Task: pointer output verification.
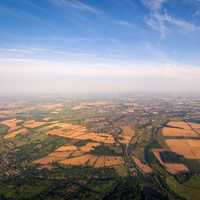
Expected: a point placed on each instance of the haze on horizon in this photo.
(93, 46)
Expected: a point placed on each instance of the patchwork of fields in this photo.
(173, 168)
(182, 139)
(127, 134)
(68, 154)
(91, 148)
(74, 155)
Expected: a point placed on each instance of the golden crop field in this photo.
(179, 124)
(187, 147)
(12, 124)
(34, 124)
(79, 160)
(173, 168)
(180, 129)
(79, 132)
(50, 106)
(176, 132)
(72, 155)
(127, 134)
(22, 131)
(144, 168)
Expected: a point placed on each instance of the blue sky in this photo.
(131, 42)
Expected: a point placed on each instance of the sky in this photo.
(99, 46)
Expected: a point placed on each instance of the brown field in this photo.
(194, 143)
(52, 157)
(144, 168)
(79, 160)
(51, 106)
(76, 153)
(176, 132)
(79, 132)
(184, 125)
(187, 147)
(195, 126)
(176, 168)
(127, 134)
(22, 131)
(179, 124)
(94, 161)
(65, 126)
(73, 155)
(180, 129)
(173, 168)
(89, 146)
(67, 148)
(104, 138)
(108, 161)
(12, 124)
(34, 124)
(100, 162)
(60, 153)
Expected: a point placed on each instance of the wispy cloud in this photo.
(76, 4)
(154, 5)
(180, 23)
(156, 22)
(160, 21)
(123, 23)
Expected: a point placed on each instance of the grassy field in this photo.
(188, 190)
(122, 171)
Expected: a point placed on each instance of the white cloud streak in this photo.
(180, 23)
(76, 4)
(161, 22)
(154, 5)
(123, 23)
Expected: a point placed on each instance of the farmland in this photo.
(98, 149)
(173, 168)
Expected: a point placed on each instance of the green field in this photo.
(188, 190)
